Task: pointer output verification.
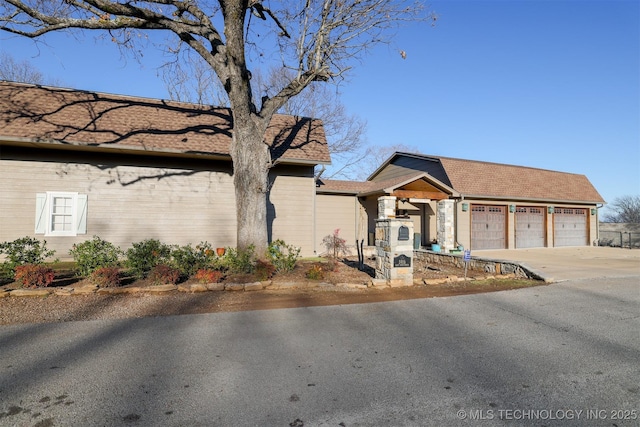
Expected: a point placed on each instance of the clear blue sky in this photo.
(548, 84)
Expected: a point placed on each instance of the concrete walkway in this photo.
(560, 264)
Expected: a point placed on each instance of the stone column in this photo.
(446, 224)
(394, 252)
(386, 207)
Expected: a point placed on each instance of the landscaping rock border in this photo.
(494, 269)
(231, 287)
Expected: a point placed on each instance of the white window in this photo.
(61, 213)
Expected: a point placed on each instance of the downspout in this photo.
(461, 199)
(598, 222)
(315, 217)
(356, 213)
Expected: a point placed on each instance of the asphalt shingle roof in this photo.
(473, 178)
(477, 178)
(364, 187)
(82, 118)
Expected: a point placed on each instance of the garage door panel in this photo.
(570, 227)
(488, 229)
(530, 227)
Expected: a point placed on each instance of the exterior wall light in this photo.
(550, 209)
(465, 207)
(512, 208)
(593, 211)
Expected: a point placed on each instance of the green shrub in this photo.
(93, 254)
(207, 275)
(240, 261)
(163, 274)
(105, 277)
(283, 256)
(26, 250)
(189, 260)
(145, 255)
(34, 276)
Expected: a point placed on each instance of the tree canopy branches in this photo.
(316, 40)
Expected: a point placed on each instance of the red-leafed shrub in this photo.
(105, 277)
(163, 274)
(205, 275)
(34, 276)
(335, 244)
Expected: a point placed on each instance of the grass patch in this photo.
(313, 259)
(62, 265)
(513, 283)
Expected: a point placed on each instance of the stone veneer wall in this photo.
(391, 251)
(386, 207)
(496, 267)
(446, 224)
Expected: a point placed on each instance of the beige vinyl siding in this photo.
(290, 211)
(126, 204)
(333, 212)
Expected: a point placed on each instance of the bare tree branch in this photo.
(318, 40)
(624, 209)
(21, 72)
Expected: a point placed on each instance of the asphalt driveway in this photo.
(560, 264)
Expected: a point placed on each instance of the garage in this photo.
(570, 227)
(530, 227)
(488, 227)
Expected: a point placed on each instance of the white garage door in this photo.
(530, 230)
(488, 229)
(570, 227)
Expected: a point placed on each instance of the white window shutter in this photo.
(81, 205)
(41, 213)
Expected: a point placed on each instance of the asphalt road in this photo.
(562, 354)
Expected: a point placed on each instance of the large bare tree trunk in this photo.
(251, 163)
(251, 157)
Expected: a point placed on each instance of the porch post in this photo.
(445, 224)
(386, 207)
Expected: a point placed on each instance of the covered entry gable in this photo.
(414, 185)
(417, 194)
